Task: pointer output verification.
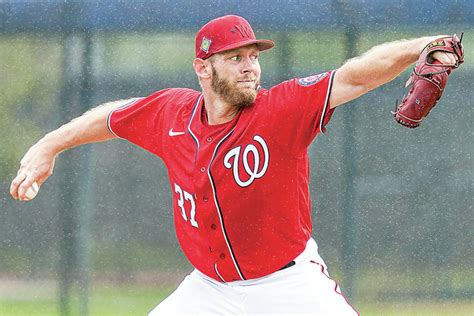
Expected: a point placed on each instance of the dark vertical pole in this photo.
(349, 171)
(284, 56)
(444, 231)
(76, 196)
(66, 215)
(85, 201)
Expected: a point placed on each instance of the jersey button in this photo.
(209, 139)
(213, 226)
(222, 256)
(205, 199)
(203, 169)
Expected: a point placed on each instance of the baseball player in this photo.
(238, 168)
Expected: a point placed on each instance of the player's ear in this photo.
(202, 68)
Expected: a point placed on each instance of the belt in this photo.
(290, 264)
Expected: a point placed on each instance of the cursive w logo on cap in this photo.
(244, 31)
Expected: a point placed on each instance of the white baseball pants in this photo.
(304, 288)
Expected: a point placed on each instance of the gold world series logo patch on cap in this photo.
(205, 44)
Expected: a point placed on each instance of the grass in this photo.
(139, 300)
(104, 301)
(433, 308)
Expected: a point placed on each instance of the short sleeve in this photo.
(301, 109)
(141, 121)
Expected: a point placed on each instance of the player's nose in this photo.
(248, 65)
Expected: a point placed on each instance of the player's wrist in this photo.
(53, 143)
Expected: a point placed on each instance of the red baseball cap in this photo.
(226, 33)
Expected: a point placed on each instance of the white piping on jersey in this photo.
(217, 204)
(217, 272)
(326, 102)
(196, 106)
(132, 101)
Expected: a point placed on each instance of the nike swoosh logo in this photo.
(171, 133)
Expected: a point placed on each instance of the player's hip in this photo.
(309, 254)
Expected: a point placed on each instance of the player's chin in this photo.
(248, 92)
(246, 99)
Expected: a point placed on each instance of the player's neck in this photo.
(218, 111)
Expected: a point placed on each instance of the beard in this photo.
(230, 93)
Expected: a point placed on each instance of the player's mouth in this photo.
(249, 83)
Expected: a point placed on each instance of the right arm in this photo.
(38, 163)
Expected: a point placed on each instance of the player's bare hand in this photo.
(445, 58)
(36, 166)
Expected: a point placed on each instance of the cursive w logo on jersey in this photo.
(252, 172)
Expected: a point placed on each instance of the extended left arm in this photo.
(379, 65)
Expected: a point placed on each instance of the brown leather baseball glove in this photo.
(427, 81)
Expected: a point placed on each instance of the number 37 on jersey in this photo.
(186, 196)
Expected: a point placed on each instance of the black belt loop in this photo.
(290, 264)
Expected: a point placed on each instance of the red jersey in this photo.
(241, 200)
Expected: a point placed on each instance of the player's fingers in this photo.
(450, 58)
(445, 58)
(23, 187)
(16, 183)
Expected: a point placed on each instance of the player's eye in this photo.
(254, 57)
(235, 58)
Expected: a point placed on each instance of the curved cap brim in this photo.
(261, 45)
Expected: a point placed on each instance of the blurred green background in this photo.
(409, 192)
